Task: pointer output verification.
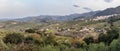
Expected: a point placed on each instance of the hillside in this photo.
(52, 18)
(68, 35)
(59, 25)
(109, 11)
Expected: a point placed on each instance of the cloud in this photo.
(23, 8)
(76, 5)
(108, 1)
(88, 9)
(8, 8)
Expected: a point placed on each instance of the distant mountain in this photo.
(49, 18)
(86, 15)
(109, 11)
(6, 19)
(41, 18)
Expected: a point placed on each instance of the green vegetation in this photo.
(48, 43)
(30, 31)
(64, 36)
(111, 35)
(14, 38)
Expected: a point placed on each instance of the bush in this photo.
(31, 40)
(111, 35)
(23, 47)
(30, 31)
(49, 39)
(74, 49)
(78, 44)
(89, 40)
(115, 45)
(14, 38)
(97, 47)
(50, 48)
(102, 38)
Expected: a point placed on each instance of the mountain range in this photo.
(48, 18)
(109, 11)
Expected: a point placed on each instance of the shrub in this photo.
(23, 47)
(30, 31)
(115, 45)
(50, 48)
(49, 39)
(31, 40)
(74, 49)
(89, 40)
(14, 38)
(78, 44)
(111, 35)
(97, 47)
(102, 38)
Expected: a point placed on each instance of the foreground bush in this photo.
(22, 47)
(89, 40)
(115, 45)
(31, 40)
(107, 39)
(97, 47)
(14, 38)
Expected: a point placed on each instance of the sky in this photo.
(24, 8)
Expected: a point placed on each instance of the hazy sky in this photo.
(23, 8)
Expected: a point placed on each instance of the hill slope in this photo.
(109, 11)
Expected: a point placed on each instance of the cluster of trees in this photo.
(113, 19)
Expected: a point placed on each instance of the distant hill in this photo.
(5, 19)
(86, 15)
(49, 18)
(109, 11)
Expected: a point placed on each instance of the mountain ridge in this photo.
(49, 18)
(109, 11)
